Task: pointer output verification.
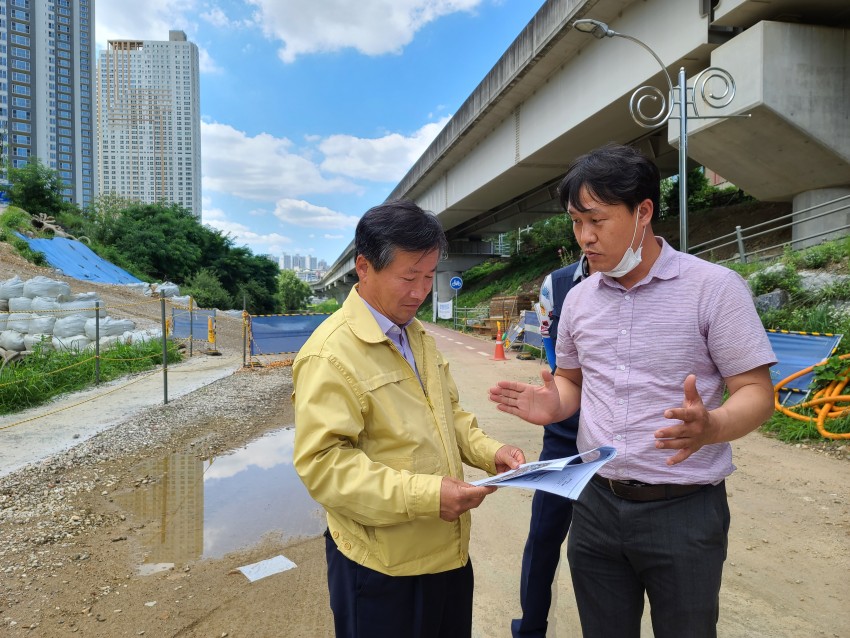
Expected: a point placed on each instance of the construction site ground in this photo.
(70, 552)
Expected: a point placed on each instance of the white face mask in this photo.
(631, 258)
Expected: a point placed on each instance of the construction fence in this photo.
(95, 342)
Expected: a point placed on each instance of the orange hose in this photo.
(824, 401)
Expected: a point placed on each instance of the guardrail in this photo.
(740, 236)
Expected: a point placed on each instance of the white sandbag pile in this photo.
(10, 288)
(165, 289)
(45, 287)
(83, 304)
(140, 287)
(76, 343)
(18, 321)
(20, 304)
(109, 327)
(12, 340)
(43, 311)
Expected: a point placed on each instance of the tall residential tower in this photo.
(46, 63)
(149, 121)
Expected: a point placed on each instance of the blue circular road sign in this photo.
(456, 283)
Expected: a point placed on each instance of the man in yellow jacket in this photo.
(380, 439)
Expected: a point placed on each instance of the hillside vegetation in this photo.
(154, 242)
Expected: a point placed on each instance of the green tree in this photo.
(207, 290)
(36, 188)
(697, 187)
(292, 292)
(163, 241)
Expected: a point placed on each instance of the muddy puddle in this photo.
(194, 509)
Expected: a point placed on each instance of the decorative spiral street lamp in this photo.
(642, 111)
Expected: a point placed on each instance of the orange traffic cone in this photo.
(499, 355)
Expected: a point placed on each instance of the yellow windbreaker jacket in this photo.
(372, 444)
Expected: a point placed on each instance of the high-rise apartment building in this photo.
(149, 121)
(46, 98)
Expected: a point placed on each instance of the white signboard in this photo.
(444, 309)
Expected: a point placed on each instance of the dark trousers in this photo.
(550, 522)
(673, 550)
(369, 604)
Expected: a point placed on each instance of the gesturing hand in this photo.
(696, 427)
(535, 404)
(456, 497)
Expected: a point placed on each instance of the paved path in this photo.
(30, 436)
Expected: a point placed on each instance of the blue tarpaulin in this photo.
(199, 323)
(277, 334)
(797, 351)
(77, 260)
(531, 329)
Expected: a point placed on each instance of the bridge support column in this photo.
(824, 214)
(442, 291)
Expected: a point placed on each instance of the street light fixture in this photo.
(680, 96)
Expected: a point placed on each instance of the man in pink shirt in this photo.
(646, 346)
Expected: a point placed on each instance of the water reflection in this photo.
(195, 509)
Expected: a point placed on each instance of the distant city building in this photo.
(46, 108)
(307, 267)
(149, 121)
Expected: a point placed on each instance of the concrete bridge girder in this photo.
(792, 80)
(557, 93)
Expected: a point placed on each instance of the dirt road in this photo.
(786, 575)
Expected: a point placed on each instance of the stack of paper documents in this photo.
(564, 477)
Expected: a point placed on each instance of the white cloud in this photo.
(216, 17)
(300, 213)
(269, 168)
(262, 167)
(258, 242)
(383, 159)
(148, 20)
(373, 27)
(206, 64)
(210, 214)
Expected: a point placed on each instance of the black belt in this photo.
(637, 491)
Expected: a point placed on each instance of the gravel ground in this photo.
(46, 507)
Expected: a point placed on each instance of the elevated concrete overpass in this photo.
(557, 93)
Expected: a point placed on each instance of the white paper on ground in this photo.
(266, 567)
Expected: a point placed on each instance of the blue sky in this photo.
(313, 110)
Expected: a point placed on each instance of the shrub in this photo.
(207, 290)
(780, 276)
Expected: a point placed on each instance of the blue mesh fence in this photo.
(199, 323)
(277, 334)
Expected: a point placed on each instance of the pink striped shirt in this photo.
(635, 347)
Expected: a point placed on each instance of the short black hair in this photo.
(612, 174)
(400, 224)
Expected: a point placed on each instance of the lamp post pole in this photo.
(679, 96)
(683, 161)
